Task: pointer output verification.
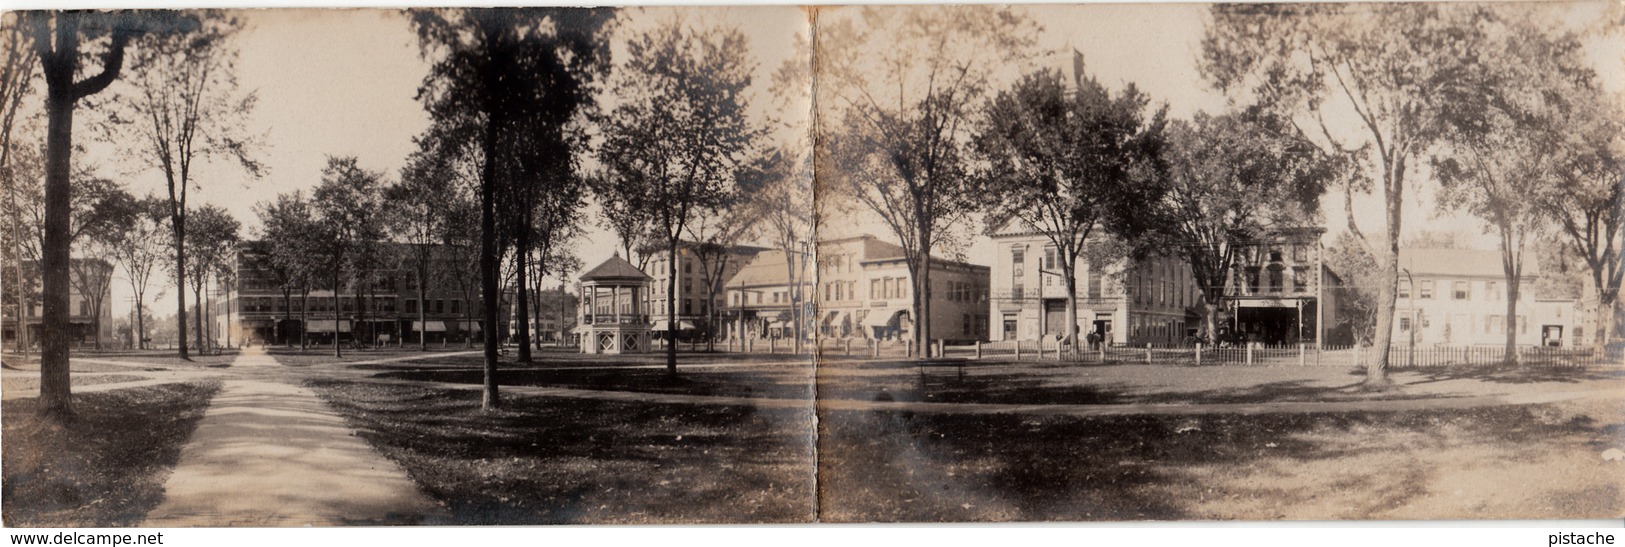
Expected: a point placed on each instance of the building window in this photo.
(1252, 280)
(1049, 257)
(874, 289)
(1492, 291)
(1300, 253)
(1404, 324)
(1018, 263)
(1404, 288)
(1300, 279)
(1494, 324)
(1426, 292)
(456, 306)
(1462, 290)
(1276, 279)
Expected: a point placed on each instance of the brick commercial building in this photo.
(693, 300)
(1277, 293)
(91, 323)
(383, 310)
(855, 287)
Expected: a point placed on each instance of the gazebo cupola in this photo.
(613, 314)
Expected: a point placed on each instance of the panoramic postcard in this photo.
(749, 264)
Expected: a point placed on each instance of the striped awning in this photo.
(882, 317)
(326, 325)
(433, 326)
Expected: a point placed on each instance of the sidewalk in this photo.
(268, 453)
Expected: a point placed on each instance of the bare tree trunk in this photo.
(304, 319)
(1512, 322)
(671, 307)
(141, 325)
(197, 319)
(336, 351)
(423, 306)
(489, 283)
(1070, 271)
(521, 258)
(55, 396)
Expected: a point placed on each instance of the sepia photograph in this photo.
(751, 264)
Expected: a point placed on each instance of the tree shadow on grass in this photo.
(542, 460)
(107, 466)
(1514, 374)
(898, 466)
(770, 383)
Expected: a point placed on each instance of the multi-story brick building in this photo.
(91, 323)
(384, 310)
(1281, 291)
(1277, 293)
(858, 287)
(693, 300)
(1123, 301)
(1458, 297)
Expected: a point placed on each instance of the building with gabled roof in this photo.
(1458, 297)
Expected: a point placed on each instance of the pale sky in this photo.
(342, 82)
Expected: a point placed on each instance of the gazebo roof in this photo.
(616, 269)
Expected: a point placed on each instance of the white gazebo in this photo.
(613, 318)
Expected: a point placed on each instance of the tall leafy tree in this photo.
(215, 237)
(1512, 142)
(679, 132)
(492, 69)
(416, 215)
(1585, 199)
(346, 209)
(18, 71)
(897, 112)
(140, 248)
(115, 214)
(1367, 84)
(292, 242)
(181, 107)
(58, 38)
(778, 196)
(714, 238)
(1064, 158)
(1232, 178)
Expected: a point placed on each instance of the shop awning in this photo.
(829, 317)
(471, 326)
(257, 323)
(881, 318)
(682, 324)
(326, 325)
(433, 326)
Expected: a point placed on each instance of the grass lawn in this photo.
(107, 467)
(1505, 462)
(542, 460)
(167, 358)
(784, 382)
(30, 382)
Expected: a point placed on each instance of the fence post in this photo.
(978, 350)
(772, 345)
(1198, 354)
(1148, 353)
(1102, 351)
(874, 346)
(940, 352)
(1017, 342)
(1357, 353)
(1301, 355)
(1250, 352)
(848, 347)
